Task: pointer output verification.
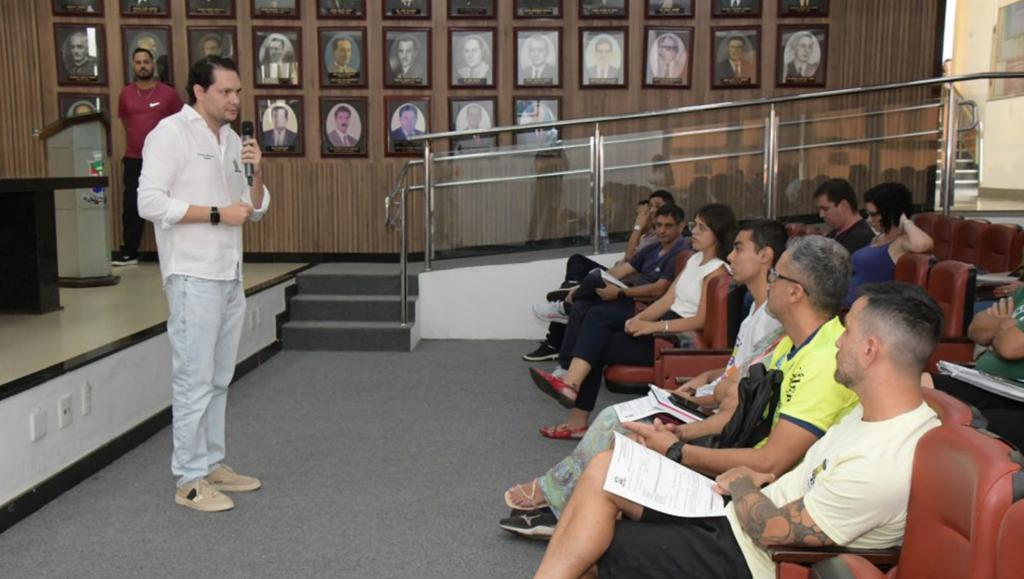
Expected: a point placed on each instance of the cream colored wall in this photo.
(1002, 166)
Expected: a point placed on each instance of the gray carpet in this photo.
(374, 465)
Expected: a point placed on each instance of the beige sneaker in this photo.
(199, 495)
(225, 479)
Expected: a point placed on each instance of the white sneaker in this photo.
(551, 312)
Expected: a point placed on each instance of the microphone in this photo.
(248, 132)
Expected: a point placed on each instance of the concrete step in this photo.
(364, 283)
(347, 336)
(372, 308)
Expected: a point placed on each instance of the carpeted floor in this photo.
(374, 465)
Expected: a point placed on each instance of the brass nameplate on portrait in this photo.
(470, 11)
(77, 8)
(604, 11)
(810, 10)
(673, 11)
(143, 10)
(408, 81)
(275, 11)
(666, 80)
(340, 12)
(279, 149)
(341, 150)
(343, 77)
(737, 80)
(800, 79)
(407, 12)
(538, 12)
(83, 77)
(737, 10)
(538, 81)
(211, 11)
(471, 81)
(604, 81)
(407, 147)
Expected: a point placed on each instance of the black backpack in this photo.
(759, 395)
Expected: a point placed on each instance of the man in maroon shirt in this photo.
(141, 106)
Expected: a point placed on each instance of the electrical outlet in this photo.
(64, 414)
(37, 424)
(86, 399)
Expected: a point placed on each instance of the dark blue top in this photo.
(871, 264)
(651, 266)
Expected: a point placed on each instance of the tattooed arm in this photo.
(767, 524)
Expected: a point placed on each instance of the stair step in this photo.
(347, 336)
(368, 308)
(378, 284)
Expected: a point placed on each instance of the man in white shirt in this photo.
(850, 490)
(194, 190)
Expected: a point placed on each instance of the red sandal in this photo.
(563, 432)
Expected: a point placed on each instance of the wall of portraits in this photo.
(336, 88)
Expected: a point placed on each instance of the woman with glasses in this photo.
(610, 336)
(889, 208)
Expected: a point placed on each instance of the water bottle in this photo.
(604, 239)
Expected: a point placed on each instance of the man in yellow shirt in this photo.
(851, 489)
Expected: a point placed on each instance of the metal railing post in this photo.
(428, 204)
(598, 178)
(949, 142)
(770, 167)
(403, 256)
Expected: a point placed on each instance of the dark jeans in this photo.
(1005, 416)
(660, 546)
(576, 269)
(583, 299)
(131, 223)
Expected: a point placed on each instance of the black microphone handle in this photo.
(247, 132)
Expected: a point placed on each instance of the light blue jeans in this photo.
(204, 327)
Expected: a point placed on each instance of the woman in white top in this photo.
(609, 336)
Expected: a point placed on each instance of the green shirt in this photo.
(992, 363)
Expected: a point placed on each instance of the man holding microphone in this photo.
(195, 188)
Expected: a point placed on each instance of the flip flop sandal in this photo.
(533, 506)
(563, 432)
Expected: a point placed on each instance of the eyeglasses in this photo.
(873, 214)
(774, 276)
(696, 226)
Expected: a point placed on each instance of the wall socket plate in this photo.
(64, 414)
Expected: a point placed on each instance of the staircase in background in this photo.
(350, 307)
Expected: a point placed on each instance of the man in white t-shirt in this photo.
(851, 489)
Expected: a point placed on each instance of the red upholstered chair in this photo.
(942, 235)
(796, 229)
(967, 241)
(913, 268)
(951, 285)
(994, 251)
(1009, 554)
(1017, 250)
(715, 335)
(925, 221)
(962, 486)
(951, 410)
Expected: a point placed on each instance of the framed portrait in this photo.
(735, 8)
(405, 117)
(342, 57)
(603, 62)
(803, 51)
(81, 54)
(472, 54)
(667, 57)
(471, 114)
(802, 8)
(344, 127)
(210, 8)
(278, 53)
(735, 57)
(406, 8)
(78, 7)
(155, 39)
(407, 62)
(145, 8)
(279, 129)
(275, 8)
(206, 41)
(538, 57)
(538, 8)
(341, 8)
(471, 8)
(73, 105)
(669, 8)
(604, 8)
(532, 110)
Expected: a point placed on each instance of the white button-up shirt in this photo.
(183, 165)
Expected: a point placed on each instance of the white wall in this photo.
(489, 302)
(127, 388)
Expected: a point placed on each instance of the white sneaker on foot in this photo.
(551, 312)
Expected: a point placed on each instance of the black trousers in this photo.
(131, 223)
(660, 546)
(1005, 416)
(576, 269)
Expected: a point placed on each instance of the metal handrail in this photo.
(390, 198)
(765, 101)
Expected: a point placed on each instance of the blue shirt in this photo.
(651, 266)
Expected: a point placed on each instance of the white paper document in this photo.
(1002, 386)
(612, 279)
(995, 279)
(647, 478)
(656, 402)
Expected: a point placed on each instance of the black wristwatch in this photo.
(214, 216)
(675, 452)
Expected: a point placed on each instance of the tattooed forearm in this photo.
(769, 525)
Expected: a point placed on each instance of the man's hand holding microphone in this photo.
(238, 213)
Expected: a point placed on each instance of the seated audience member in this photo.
(1000, 329)
(889, 208)
(612, 334)
(837, 206)
(555, 312)
(757, 248)
(851, 489)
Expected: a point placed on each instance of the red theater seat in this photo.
(925, 221)
(995, 249)
(1017, 250)
(913, 268)
(951, 285)
(711, 349)
(967, 241)
(951, 410)
(963, 484)
(1009, 554)
(942, 235)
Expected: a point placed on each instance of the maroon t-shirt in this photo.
(141, 110)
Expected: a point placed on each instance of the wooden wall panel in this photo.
(336, 205)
